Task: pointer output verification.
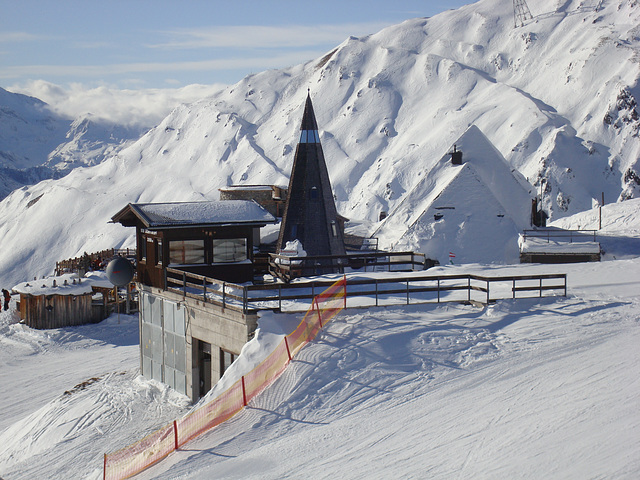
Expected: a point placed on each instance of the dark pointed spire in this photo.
(310, 214)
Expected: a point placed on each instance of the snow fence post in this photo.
(286, 344)
(104, 470)
(175, 434)
(315, 301)
(244, 393)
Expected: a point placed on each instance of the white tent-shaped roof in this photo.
(474, 210)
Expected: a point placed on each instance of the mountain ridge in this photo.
(389, 106)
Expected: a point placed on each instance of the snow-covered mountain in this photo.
(557, 98)
(37, 144)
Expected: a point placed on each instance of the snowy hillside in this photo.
(36, 143)
(531, 388)
(557, 98)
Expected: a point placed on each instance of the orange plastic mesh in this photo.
(133, 459)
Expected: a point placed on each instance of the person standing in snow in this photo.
(7, 298)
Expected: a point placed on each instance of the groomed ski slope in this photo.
(523, 389)
(535, 388)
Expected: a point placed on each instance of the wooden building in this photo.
(63, 301)
(214, 239)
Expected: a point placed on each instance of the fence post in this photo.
(286, 344)
(175, 433)
(244, 393)
(315, 301)
(407, 292)
(565, 284)
(184, 283)
(488, 283)
(513, 288)
(224, 295)
(204, 289)
(104, 469)
(245, 300)
(540, 287)
(344, 279)
(376, 292)
(469, 288)
(279, 298)
(438, 289)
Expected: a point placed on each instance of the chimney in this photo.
(456, 156)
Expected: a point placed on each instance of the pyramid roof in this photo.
(310, 214)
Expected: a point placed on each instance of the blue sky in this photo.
(145, 44)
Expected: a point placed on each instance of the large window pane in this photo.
(227, 250)
(186, 252)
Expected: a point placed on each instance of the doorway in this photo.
(204, 368)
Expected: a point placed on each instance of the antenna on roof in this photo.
(521, 13)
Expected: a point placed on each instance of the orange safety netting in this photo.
(136, 457)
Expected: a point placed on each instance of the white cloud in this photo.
(13, 37)
(105, 71)
(141, 107)
(249, 36)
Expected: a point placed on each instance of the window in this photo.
(226, 359)
(159, 252)
(186, 252)
(313, 194)
(143, 248)
(226, 250)
(334, 229)
(309, 136)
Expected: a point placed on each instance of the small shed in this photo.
(61, 301)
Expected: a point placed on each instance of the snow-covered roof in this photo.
(550, 246)
(177, 214)
(249, 187)
(67, 284)
(474, 210)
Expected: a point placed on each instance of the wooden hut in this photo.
(61, 301)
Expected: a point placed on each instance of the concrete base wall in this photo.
(221, 329)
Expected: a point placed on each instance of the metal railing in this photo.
(287, 268)
(396, 290)
(549, 234)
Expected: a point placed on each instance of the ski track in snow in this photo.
(546, 386)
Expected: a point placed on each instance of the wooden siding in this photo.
(55, 311)
(151, 272)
